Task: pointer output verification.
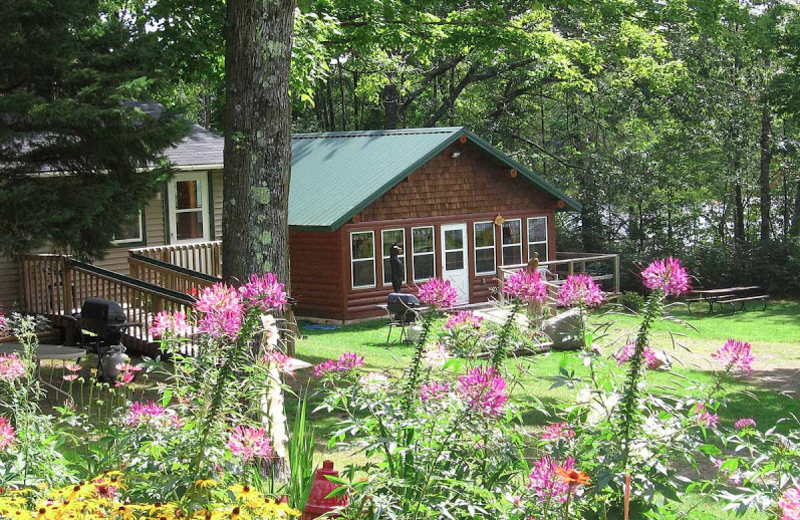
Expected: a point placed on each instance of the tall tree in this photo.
(77, 158)
(258, 139)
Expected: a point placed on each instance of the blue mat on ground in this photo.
(318, 326)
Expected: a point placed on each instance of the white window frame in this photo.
(546, 240)
(204, 180)
(137, 240)
(403, 256)
(414, 255)
(493, 247)
(520, 244)
(370, 259)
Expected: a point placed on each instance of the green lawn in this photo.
(774, 335)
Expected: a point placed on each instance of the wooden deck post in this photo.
(616, 274)
(66, 281)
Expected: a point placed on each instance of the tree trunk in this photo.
(390, 96)
(764, 177)
(795, 229)
(258, 142)
(738, 216)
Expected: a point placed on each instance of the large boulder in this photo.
(564, 330)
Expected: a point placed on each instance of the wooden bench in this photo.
(741, 301)
(690, 301)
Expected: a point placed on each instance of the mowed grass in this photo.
(766, 395)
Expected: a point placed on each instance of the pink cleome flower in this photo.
(464, 319)
(580, 289)
(249, 442)
(667, 275)
(704, 417)
(144, 413)
(433, 391)
(72, 367)
(170, 324)
(264, 291)
(7, 434)
(70, 377)
(649, 357)
(438, 293)
(544, 480)
(483, 390)
(284, 363)
(11, 367)
(526, 286)
(557, 432)
(745, 422)
(221, 311)
(347, 362)
(790, 503)
(735, 355)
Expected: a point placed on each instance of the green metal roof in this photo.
(337, 174)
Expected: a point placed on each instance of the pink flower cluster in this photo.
(11, 367)
(346, 363)
(557, 432)
(438, 293)
(649, 357)
(545, 482)
(148, 413)
(464, 319)
(735, 355)
(170, 324)
(221, 311)
(127, 373)
(745, 422)
(433, 391)
(7, 434)
(73, 369)
(704, 417)
(667, 275)
(284, 363)
(580, 289)
(483, 390)
(526, 286)
(248, 442)
(264, 291)
(790, 504)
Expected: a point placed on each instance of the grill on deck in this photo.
(401, 306)
(101, 324)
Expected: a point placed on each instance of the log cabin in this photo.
(459, 207)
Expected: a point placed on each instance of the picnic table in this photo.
(728, 296)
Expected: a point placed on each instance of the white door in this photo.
(456, 259)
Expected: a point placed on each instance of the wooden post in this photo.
(66, 280)
(616, 274)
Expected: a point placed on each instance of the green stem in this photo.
(412, 383)
(631, 397)
(500, 352)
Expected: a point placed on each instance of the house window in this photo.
(537, 238)
(512, 242)
(389, 237)
(423, 253)
(131, 231)
(484, 248)
(187, 203)
(362, 246)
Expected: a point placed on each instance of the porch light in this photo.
(455, 155)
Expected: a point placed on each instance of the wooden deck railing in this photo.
(204, 257)
(168, 276)
(55, 285)
(603, 268)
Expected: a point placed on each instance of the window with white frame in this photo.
(362, 248)
(423, 253)
(484, 248)
(537, 238)
(388, 238)
(512, 242)
(131, 231)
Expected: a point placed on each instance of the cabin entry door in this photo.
(455, 259)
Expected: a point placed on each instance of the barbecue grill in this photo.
(101, 325)
(401, 310)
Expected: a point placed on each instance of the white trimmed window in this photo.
(389, 237)
(512, 242)
(423, 253)
(132, 231)
(362, 254)
(484, 248)
(537, 238)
